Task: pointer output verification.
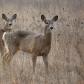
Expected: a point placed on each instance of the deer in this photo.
(7, 28)
(37, 44)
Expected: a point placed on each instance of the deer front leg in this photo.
(45, 59)
(3, 51)
(8, 56)
(34, 62)
(6, 65)
(5, 56)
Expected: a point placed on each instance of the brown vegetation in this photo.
(67, 48)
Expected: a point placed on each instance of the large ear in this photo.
(43, 18)
(55, 18)
(14, 16)
(4, 17)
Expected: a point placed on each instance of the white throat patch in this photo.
(48, 31)
(3, 38)
(9, 27)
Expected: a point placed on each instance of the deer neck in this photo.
(47, 35)
(7, 28)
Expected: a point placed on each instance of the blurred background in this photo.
(66, 58)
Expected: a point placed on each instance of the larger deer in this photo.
(7, 28)
(34, 43)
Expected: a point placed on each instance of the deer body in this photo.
(7, 28)
(34, 43)
(39, 44)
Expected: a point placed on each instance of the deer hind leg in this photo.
(3, 51)
(34, 62)
(5, 58)
(45, 59)
(5, 64)
(8, 56)
(6, 61)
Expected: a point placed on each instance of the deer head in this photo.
(49, 23)
(8, 25)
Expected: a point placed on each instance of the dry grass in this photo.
(66, 59)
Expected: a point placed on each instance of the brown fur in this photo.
(6, 29)
(33, 43)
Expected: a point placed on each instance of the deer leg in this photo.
(34, 62)
(3, 51)
(45, 59)
(1, 54)
(8, 59)
(8, 56)
(5, 58)
(5, 64)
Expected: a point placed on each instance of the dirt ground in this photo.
(66, 57)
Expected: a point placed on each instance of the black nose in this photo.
(10, 24)
(51, 27)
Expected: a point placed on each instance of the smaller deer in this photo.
(36, 44)
(8, 27)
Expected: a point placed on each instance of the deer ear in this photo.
(43, 18)
(55, 18)
(14, 16)
(4, 17)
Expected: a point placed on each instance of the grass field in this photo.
(66, 58)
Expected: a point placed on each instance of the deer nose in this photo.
(51, 27)
(10, 24)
